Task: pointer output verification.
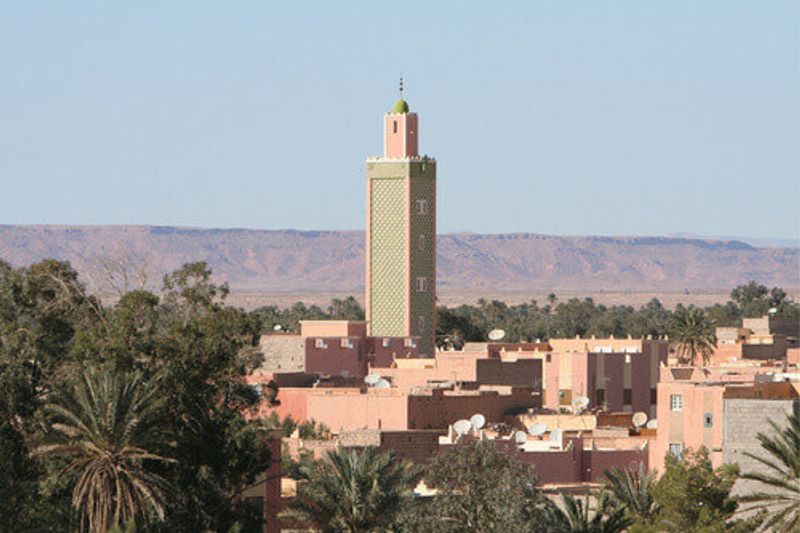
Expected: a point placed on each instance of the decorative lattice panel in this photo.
(387, 257)
(423, 307)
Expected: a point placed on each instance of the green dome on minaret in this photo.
(400, 107)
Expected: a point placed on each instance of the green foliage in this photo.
(754, 300)
(633, 490)
(352, 490)
(196, 347)
(693, 496)
(577, 516)
(779, 477)
(108, 428)
(289, 319)
(480, 488)
(692, 334)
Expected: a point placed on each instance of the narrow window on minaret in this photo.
(422, 206)
(422, 284)
(421, 322)
(422, 243)
(395, 126)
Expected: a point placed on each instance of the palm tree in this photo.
(693, 334)
(108, 430)
(780, 478)
(577, 517)
(352, 490)
(633, 491)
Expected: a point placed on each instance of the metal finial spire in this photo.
(401, 86)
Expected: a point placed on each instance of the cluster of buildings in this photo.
(573, 408)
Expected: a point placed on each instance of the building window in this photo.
(421, 243)
(565, 397)
(676, 402)
(410, 343)
(386, 343)
(653, 396)
(421, 205)
(676, 449)
(395, 126)
(600, 397)
(423, 164)
(627, 359)
(708, 420)
(627, 396)
(421, 322)
(320, 343)
(422, 284)
(347, 343)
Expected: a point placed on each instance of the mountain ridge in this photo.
(319, 260)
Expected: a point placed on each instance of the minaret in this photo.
(400, 298)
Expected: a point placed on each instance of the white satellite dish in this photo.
(537, 430)
(556, 434)
(652, 424)
(773, 310)
(477, 420)
(639, 419)
(345, 373)
(372, 379)
(462, 427)
(496, 335)
(520, 437)
(277, 327)
(580, 403)
(382, 384)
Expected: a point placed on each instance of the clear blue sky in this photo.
(614, 118)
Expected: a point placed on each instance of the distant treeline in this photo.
(553, 318)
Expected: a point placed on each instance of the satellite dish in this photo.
(477, 420)
(555, 435)
(652, 424)
(639, 419)
(372, 379)
(496, 335)
(520, 437)
(537, 430)
(382, 384)
(580, 403)
(773, 310)
(277, 327)
(462, 427)
(345, 373)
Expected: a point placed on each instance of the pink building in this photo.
(349, 409)
(694, 409)
(332, 347)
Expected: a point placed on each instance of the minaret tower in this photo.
(400, 298)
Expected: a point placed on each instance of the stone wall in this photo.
(744, 419)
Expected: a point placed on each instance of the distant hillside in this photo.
(282, 261)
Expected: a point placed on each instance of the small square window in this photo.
(386, 343)
(422, 284)
(346, 343)
(627, 396)
(708, 420)
(410, 343)
(676, 402)
(676, 449)
(421, 205)
(320, 343)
